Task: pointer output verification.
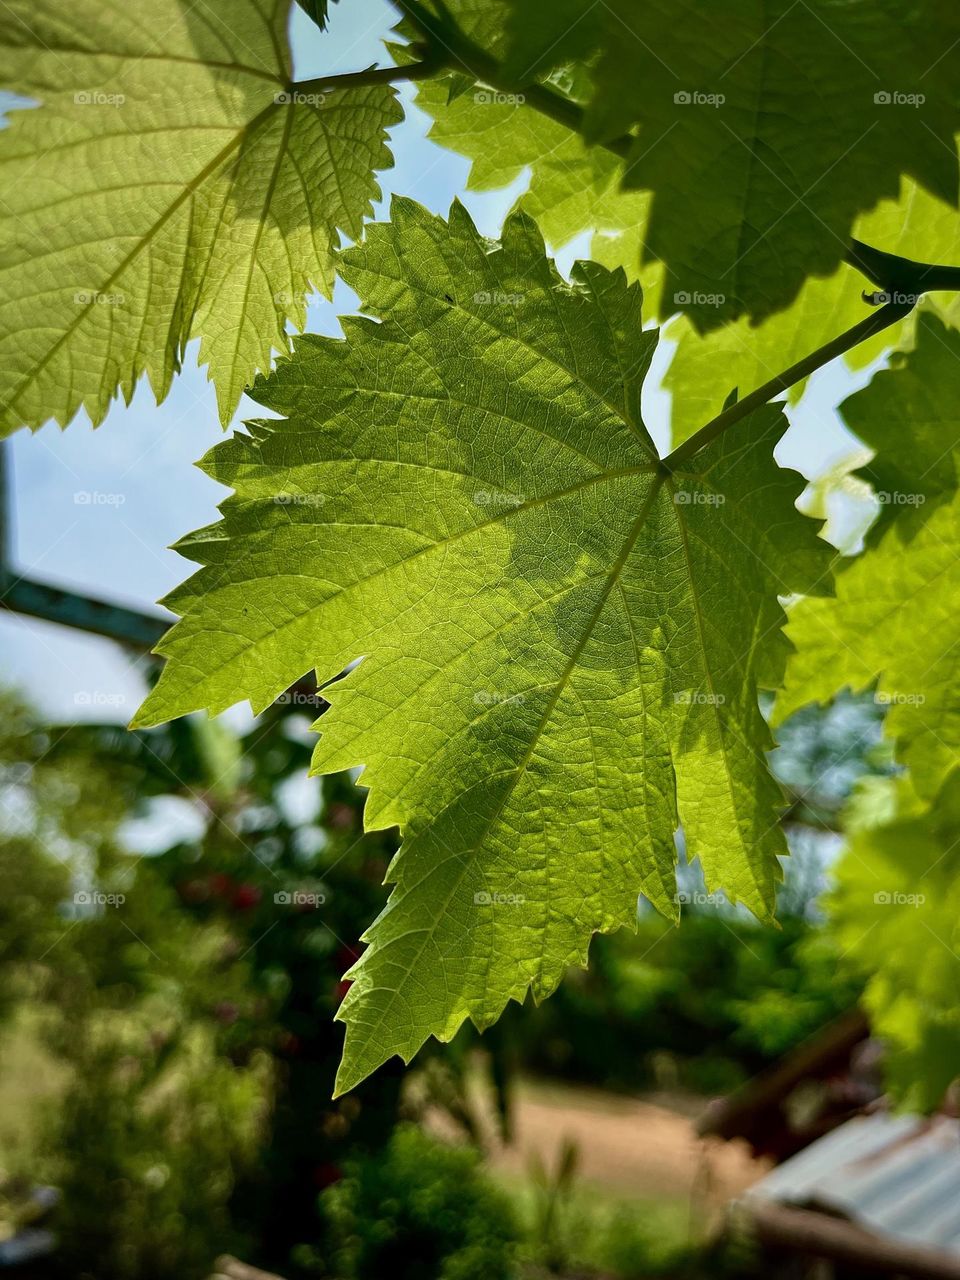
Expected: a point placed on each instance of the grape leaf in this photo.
(541, 38)
(561, 643)
(705, 369)
(895, 910)
(893, 618)
(909, 415)
(169, 186)
(572, 188)
(762, 130)
(315, 9)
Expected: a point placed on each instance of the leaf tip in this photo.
(143, 718)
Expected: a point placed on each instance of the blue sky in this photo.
(97, 510)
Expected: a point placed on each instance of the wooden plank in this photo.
(819, 1235)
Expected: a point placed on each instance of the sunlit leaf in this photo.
(562, 643)
(168, 186)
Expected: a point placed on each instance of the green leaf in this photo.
(572, 188)
(484, 22)
(541, 38)
(561, 644)
(704, 369)
(763, 131)
(893, 619)
(315, 9)
(909, 415)
(168, 187)
(895, 911)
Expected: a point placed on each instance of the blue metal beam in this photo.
(135, 628)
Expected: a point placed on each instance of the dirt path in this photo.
(631, 1147)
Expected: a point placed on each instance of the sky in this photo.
(96, 511)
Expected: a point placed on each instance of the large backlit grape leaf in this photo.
(894, 615)
(168, 186)
(895, 910)
(763, 130)
(706, 368)
(561, 643)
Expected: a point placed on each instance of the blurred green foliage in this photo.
(185, 995)
(895, 910)
(421, 1211)
(700, 1007)
(189, 994)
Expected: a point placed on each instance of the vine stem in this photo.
(873, 324)
(425, 69)
(902, 276)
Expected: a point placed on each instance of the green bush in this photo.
(187, 1011)
(151, 1152)
(420, 1211)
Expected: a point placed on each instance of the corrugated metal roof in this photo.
(897, 1175)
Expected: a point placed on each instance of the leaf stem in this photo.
(900, 276)
(422, 70)
(873, 324)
